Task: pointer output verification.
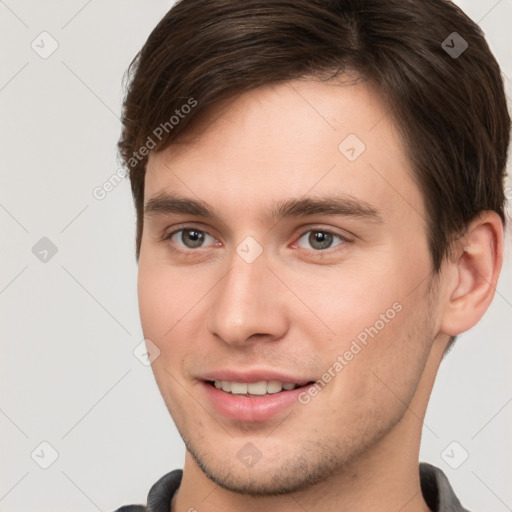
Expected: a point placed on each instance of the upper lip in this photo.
(253, 376)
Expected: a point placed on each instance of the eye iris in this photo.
(324, 239)
(194, 237)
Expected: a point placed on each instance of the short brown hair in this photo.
(450, 107)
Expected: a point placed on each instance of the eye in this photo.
(190, 238)
(321, 239)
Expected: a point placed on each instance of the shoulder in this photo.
(437, 491)
(160, 494)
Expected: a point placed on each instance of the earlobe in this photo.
(475, 271)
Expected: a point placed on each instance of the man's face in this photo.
(339, 297)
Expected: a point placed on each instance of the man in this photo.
(319, 197)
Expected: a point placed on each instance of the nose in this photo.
(248, 304)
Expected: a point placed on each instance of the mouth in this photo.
(256, 401)
(252, 389)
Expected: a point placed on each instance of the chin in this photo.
(282, 474)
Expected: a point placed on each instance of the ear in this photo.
(472, 274)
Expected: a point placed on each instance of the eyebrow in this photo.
(344, 205)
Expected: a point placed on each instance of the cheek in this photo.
(160, 304)
(168, 308)
(348, 302)
(378, 378)
(161, 307)
(379, 323)
(163, 295)
(152, 301)
(396, 357)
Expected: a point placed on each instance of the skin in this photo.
(297, 307)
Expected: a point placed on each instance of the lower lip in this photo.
(251, 409)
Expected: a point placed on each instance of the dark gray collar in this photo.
(436, 489)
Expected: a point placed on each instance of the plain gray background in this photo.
(70, 324)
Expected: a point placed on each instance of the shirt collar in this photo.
(436, 489)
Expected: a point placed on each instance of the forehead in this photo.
(287, 140)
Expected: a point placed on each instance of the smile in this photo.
(260, 388)
(252, 401)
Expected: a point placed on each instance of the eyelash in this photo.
(344, 240)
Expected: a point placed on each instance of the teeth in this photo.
(254, 388)
(237, 388)
(274, 386)
(257, 388)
